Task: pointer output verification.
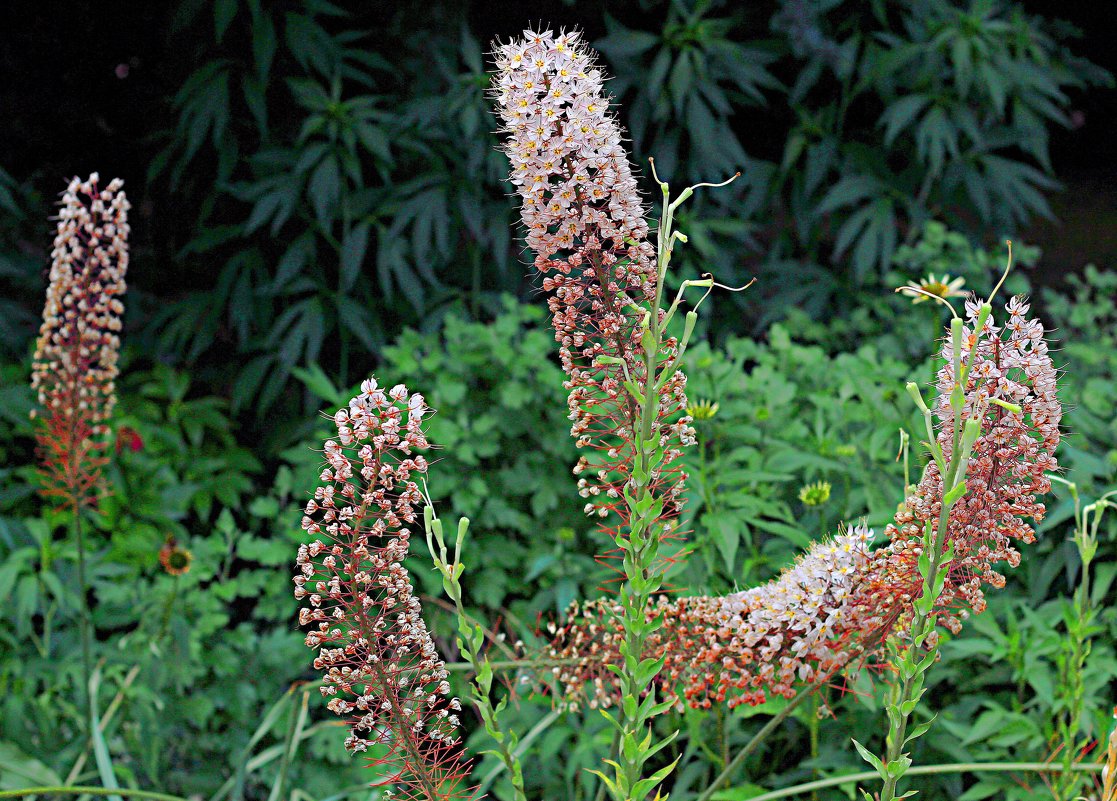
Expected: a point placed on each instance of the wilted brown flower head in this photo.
(75, 363)
(379, 662)
(841, 599)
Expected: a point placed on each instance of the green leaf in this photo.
(17, 770)
(325, 189)
(871, 758)
(100, 748)
(353, 250)
(223, 13)
(846, 192)
(900, 114)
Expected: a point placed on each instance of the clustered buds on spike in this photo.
(742, 646)
(1007, 467)
(380, 664)
(75, 363)
(842, 600)
(586, 224)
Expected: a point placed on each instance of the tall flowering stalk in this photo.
(379, 663)
(998, 429)
(1080, 619)
(75, 363)
(586, 224)
(74, 368)
(471, 642)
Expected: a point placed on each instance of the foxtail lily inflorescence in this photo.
(75, 363)
(380, 665)
(586, 224)
(627, 401)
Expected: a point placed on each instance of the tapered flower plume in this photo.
(841, 599)
(1007, 467)
(586, 224)
(380, 664)
(75, 362)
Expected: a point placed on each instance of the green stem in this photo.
(520, 750)
(925, 770)
(510, 664)
(89, 790)
(86, 622)
(814, 727)
(471, 642)
(640, 545)
(288, 749)
(755, 742)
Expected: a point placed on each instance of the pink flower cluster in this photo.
(585, 223)
(1007, 468)
(380, 665)
(842, 599)
(74, 368)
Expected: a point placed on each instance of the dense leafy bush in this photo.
(326, 190)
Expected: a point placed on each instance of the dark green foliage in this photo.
(852, 123)
(331, 172)
(789, 414)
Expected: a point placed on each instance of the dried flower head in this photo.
(174, 558)
(586, 224)
(841, 599)
(75, 361)
(380, 664)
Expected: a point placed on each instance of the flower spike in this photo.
(380, 665)
(75, 363)
(842, 599)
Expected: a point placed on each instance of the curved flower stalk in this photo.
(380, 665)
(803, 626)
(75, 363)
(842, 599)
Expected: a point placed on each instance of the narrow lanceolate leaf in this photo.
(379, 663)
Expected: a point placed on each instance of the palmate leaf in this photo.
(898, 116)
